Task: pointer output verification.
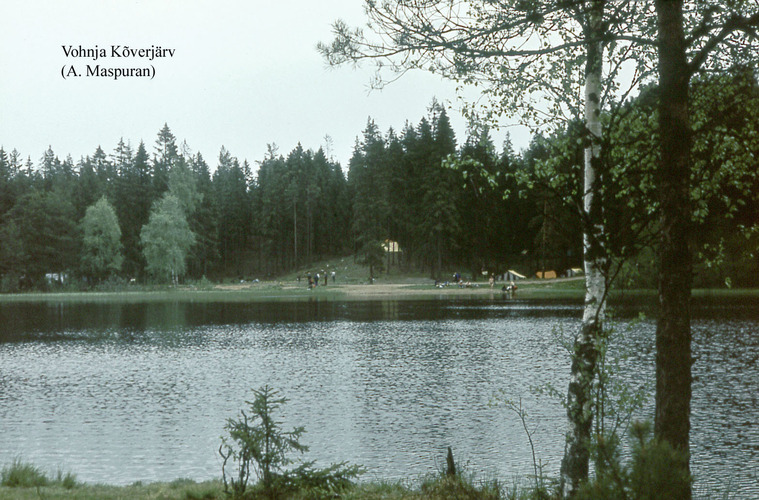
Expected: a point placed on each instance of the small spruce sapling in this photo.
(258, 443)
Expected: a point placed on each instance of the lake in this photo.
(140, 391)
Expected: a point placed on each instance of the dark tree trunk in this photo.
(673, 336)
(295, 233)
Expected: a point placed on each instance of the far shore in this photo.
(408, 289)
(277, 290)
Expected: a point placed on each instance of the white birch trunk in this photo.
(580, 411)
(593, 245)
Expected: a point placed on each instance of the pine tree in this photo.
(165, 155)
(105, 171)
(88, 187)
(233, 211)
(442, 222)
(47, 232)
(133, 198)
(7, 198)
(272, 212)
(369, 181)
(483, 242)
(204, 256)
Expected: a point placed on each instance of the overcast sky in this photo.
(245, 73)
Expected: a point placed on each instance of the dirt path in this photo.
(365, 290)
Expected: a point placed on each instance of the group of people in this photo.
(458, 281)
(323, 277)
(509, 288)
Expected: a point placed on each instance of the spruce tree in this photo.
(165, 154)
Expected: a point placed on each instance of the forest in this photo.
(164, 214)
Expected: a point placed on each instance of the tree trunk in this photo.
(543, 241)
(673, 336)
(575, 464)
(295, 234)
(439, 257)
(310, 241)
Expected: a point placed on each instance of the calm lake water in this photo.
(118, 393)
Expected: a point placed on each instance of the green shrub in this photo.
(67, 480)
(22, 475)
(257, 443)
(655, 470)
(459, 487)
(112, 284)
(9, 283)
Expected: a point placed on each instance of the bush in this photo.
(25, 475)
(22, 475)
(655, 471)
(458, 487)
(9, 283)
(257, 442)
(67, 480)
(112, 284)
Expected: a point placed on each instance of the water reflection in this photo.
(69, 320)
(125, 392)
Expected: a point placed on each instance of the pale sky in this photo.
(245, 73)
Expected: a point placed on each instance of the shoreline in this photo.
(566, 288)
(410, 289)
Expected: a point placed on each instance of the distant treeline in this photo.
(167, 214)
(291, 210)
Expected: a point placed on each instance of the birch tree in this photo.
(531, 59)
(166, 239)
(101, 244)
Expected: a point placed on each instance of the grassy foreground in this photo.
(180, 489)
(185, 490)
(30, 483)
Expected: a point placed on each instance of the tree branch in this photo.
(734, 23)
